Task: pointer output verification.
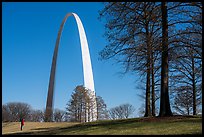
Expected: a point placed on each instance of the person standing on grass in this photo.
(22, 123)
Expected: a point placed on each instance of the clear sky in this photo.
(29, 32)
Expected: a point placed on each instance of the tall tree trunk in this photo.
(153, 92)
(147, 102)
(147, 105)
(194, 85)
(165, 109)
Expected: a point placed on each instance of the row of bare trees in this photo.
(14, 111)
(162, 43)
(77, 110)
(77, 107)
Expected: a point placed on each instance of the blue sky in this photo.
(29, 32)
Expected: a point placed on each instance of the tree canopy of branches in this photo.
(144, 38)
(14, 111)
(186, 52)
(133, 31)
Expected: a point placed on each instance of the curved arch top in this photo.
(87, 67)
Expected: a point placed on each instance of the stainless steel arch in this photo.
(87, 69)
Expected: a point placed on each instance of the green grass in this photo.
(133, 126)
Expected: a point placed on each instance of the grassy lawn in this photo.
(32, 127)
(134, 126)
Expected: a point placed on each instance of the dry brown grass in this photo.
(14, 127)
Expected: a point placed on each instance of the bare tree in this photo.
(122, 111)
(133, 31)
(80, 105)
(76, 107)
(72, 112)
(128, 110)
(101, 108)
(165, 109)
(186, 51)
(36, 116)
(141, 110)
(16, 111)
(6, 115)
(143, 37)
(113, 114)
(183, 102)
(59, 115)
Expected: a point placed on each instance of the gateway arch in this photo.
(87, 71)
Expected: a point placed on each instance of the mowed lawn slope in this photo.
(177, 125)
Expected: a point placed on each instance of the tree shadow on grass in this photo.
(39, 129)
(79, 128)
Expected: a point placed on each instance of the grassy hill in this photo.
(177, 125)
